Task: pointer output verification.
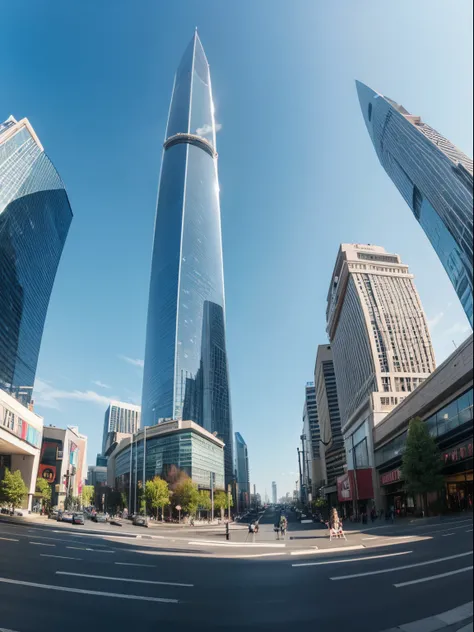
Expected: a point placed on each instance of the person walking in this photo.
(276, 528)
(283, 525)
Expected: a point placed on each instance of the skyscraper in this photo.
(333, 456)
(186, 371)
(380, 343)
(274, 493)
(120, 417)
(35, 216)
(243, 475)
(435, 179)
(310, 444)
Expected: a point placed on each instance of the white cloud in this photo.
(207, 129)
(101, 384)
(458, 329)
(132, 361)
(47, 396)
(432, 322)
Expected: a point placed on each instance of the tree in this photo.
(157, 494)
(43, 488)
(13, 488)
(174, 477)
(221, 502)
(421, 463)
(186, 496)
(204, 503)
(87, 495)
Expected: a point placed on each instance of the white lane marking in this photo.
(245, 557)
(433, 577)
(401, 568)
(5, 630)
(375, 537)
(469, 531)
(9, 540)
(61, 557)
(42, 544)
(446, 535)
(443, 530)
(256, 545)
(305, 551)
(83, 548)
(124, 579)
(413, 526)
(130, 564)
(353, 559)
(81, 591)
(356, 547)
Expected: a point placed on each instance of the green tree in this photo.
(157, 494)
(87, 495)
(204, 503)
(186, 495)
(421, 462)
(221, 501)
(43, 488)
(13, 488)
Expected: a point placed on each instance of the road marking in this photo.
(446, 535)
(61, 557)
(125, 579)
(5, 630)
(82, 591)
(432, 577)
(42, 544)
(305, 551)
(130, 564)
(9, 540)
(83, 548)
(257, 545)
(375, 537)
(356, 547)
(469, 531)
(353, 559)
(401, 568)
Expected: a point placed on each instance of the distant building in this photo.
(333, 454)
(35, 215)
(171, 446)
(310, 444)
(243, 476)
(101, 461)
(434, 178)
(63, 462)
(120, 417)
(381, 351)
(274, 493)
(97, 475)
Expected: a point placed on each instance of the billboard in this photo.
(48, 472)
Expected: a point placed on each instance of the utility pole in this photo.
(144, 471)
(301, 476)
(130, 478)
(212, 495)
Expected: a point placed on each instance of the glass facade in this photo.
(434, 178)
(242, 460)
(35, 216)
(186, 450)
(186, 370)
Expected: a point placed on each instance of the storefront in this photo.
(355, 489)
(458, 471)
(394, 495)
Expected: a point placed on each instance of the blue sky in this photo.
(298, 175)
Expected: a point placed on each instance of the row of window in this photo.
(19, 427)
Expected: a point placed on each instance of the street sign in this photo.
(178, 507)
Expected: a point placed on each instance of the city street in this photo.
(52, 579)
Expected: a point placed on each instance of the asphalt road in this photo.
(52, 579)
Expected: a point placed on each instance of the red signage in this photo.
(390, 477)
(48, 472)
(344, 491)
(458, 453)
(362, 487)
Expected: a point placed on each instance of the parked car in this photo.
(78, 518)
(99, 517)
(140, 521)
(53, 514)
(65, 516)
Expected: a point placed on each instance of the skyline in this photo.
(275, 283)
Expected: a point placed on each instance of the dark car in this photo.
(53, 514)
(78, 518)
(99, 517)
(140, 521)
(65, 516)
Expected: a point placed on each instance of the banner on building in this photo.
(48, 472)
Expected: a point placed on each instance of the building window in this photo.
(370, 111)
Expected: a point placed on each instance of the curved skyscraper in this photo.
(35, 216)
(435, 179)
(186, 372)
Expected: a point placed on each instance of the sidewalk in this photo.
(456, 620)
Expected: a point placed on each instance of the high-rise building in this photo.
(333, 456)
(243, 474)
(274, 493)
(120, 417)
(35, 216)
(186, 371)
(380, 344)
(435, 179)
(310, 444)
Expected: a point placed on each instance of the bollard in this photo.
(227, 533)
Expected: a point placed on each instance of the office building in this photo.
(333, 455)
(444, 402)
(186, 371)
(34, 221)
(177, 445)
(120, 417)
(434, 178)
(63, 462)
(243, 475)
(21, 432)
(310, 445)
(381, 349)
(274, 493)
(97, 475)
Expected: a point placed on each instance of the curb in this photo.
(442, 621)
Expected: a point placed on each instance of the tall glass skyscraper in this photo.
(35, 216)
(435, 179)
(186, 372)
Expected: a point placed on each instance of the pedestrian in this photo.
(373, 515)
(276, 528)
(392, 514)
